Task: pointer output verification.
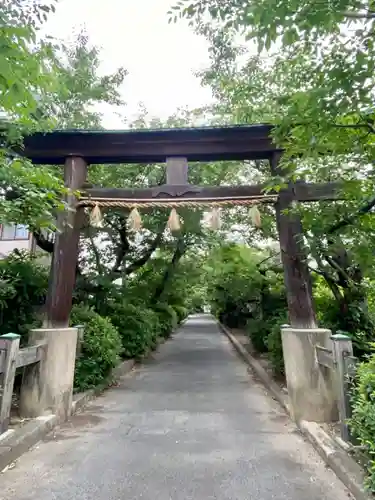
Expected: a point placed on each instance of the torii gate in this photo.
(77, 149)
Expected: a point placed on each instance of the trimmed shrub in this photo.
(167, 318)
(275, 347)
(100, 351)
(138, 328)
(181, 312)
(265, 336)
(23, 290)
(258, 330)
(362, 423)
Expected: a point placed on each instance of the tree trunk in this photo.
(294, 258)
(168, 274)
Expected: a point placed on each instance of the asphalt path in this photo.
(191, 423)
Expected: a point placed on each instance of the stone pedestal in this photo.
(48, 385)
(311, 387)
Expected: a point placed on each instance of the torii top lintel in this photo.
(238, 142)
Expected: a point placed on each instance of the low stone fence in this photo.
(318, 369)
(48, 372)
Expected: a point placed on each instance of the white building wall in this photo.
(7, 246)
(14, 237)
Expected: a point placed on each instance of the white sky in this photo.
(159, 57)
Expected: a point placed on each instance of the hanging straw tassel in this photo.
(215, 220)
(96, 217)
(255, 216)
(135, 220)
(174, 220)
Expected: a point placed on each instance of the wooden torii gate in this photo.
(77, 149)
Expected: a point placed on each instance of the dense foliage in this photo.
(138, 327)
(100, 351)
(362, 424)
(29, 77)
(243, 296)
(23, 286)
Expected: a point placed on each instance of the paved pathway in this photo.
(192, 424)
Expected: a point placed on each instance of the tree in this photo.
(327, 52)
(313, 79)
(82, 89)
(28, 76)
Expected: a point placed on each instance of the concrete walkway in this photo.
(192, 424)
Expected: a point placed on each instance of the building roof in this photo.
(238, 142)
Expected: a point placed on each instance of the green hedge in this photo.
(126, 330)
(101, 348)
(258, 330)
(181, 312)
(362, 423)
(265, 336)
(138, 327)
(168, 319)
(275, 347)
(23, 287)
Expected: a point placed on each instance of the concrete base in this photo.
(311, 387)
(48, 385)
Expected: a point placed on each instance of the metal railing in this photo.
(340, 359)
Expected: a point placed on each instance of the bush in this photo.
(275, 347)
(181, 312)
(167, 318)
(265, 336)
(23, 290)
(258, 330)
(362, 423)
(352, 319)
(138, 327)
(100, 351)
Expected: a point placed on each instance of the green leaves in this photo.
(27, 79)
(24, 284)
(43, 85)
(362, 423)
(101, 348)
(81, 89)
(312, 73)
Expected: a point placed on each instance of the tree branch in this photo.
(178, 253)
(124, 245)
(134, 266)
(347, 221)
(96, 253)
(330, 282)
(43, 242)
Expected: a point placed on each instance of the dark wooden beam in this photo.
(303, 192)
(65, 253)
(294, 257)
(151, 146)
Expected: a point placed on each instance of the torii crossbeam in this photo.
(78, 148)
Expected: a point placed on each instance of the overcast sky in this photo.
(160, 58)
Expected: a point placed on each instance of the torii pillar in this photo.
(66, 247)
(311, 388)
(48, 385)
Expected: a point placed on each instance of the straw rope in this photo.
(184, 202)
